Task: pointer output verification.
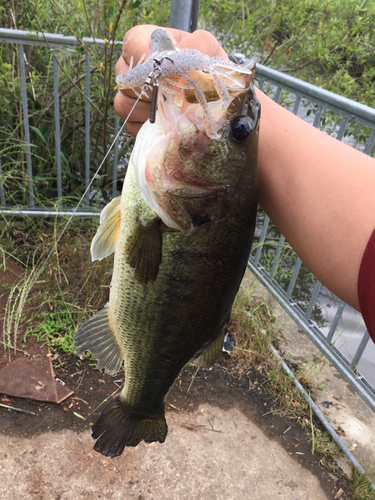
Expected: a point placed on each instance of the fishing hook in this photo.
(154, 75)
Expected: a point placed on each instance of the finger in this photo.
(137, 42)
(133, 128)
(124, 106)
(203, 41)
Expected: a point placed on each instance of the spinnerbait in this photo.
(161, 67)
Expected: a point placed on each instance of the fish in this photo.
(181, 233)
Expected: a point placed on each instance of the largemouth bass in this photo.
(181, 232)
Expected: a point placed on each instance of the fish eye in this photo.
(241, 128)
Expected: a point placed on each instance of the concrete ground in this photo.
(219, 449)
(239, 462)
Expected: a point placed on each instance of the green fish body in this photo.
(182, 235)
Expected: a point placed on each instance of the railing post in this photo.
(87, 125)
(26, 124)
(115, 158)
(180, 14)
(195, 15)
(57, 125)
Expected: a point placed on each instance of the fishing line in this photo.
(83, 196)
(33, 279)
(144, 89)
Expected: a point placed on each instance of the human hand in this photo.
(137, 41)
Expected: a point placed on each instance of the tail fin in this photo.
(117, 427)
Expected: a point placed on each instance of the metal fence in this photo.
(342, 115)
(53, 41)
(324, 108)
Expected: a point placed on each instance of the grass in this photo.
(362, 489)
(322, 443)
(55, 328)
(254, 327)
(51, 301)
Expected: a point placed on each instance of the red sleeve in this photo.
(366, 286)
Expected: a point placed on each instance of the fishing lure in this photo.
(161, 67)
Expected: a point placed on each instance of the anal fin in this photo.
(144, 251)
(211, 353)
(96, 336)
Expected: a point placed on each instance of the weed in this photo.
(310, 369)
(362, 488)
(324, 445)
(56, 328)
(254, 327)
(192, 380)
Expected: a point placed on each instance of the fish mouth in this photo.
(201, 103)
(186, 132)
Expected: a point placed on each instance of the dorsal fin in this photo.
(104, 242)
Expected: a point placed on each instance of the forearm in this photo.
(320, 193)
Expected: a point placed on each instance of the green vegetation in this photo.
(254, 327)
(330, 43)
(362, 489)
(108, 21)
(52, 297)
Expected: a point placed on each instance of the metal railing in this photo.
(184, 14)
(54, 41)
(296, 93)
(287, 90)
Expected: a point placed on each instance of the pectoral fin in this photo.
(144, 251)
(210, 355)
(104, 242)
